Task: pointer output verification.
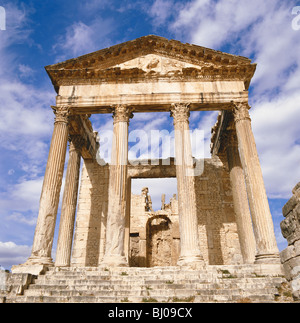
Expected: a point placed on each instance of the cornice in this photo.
(98, 66)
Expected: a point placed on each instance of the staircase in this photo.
(245, 283)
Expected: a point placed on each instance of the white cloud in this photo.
(258, 29)
(21, 197)
(161, 10)
(213, 23)
(25, 128)
(17, 31)
(13, 254)
(81, 38)
(20, 218)
(25, 124)
(22, 105)
(276, 128)
(25, 71)
(11, 172)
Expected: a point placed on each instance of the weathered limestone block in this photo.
(290, 228)
(13, 284)
(290, 205)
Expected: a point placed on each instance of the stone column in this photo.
(240, 200)
(118, 185)
(127, 222)
(267, 250)
(68, 210)
(44, 231)
(189, 239)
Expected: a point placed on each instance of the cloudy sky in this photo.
(40, 33)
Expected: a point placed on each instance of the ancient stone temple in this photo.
(219, 216)
(224, 209)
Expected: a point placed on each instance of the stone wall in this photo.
(89, 237)
(13, 284)
(219, 242)
(290, 228)
(154, 235)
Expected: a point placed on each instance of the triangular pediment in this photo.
(151, 57)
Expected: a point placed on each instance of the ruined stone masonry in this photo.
(217, 226)
(290, 228)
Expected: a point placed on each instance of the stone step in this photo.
(182, 292)
(121, 285)
(202, 275)
(145, 299)
(236, 269)
(96, 299)
(216, 284)
(157, 273)
(225, 283)
(125, 293)
(124, 274)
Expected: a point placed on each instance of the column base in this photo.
(267, 259)
(114, 261)
(33, 265)
(61, 265)
(193, 262)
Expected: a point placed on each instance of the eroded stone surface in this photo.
(290, 228)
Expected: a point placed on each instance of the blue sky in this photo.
(40, 33)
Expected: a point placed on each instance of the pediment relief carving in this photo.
(152, 63)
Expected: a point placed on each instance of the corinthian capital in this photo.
(180, 112)
(122, 113)
(240, 111)
(61, 114)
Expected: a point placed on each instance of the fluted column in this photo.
(240, 200)
(188, 222)
(115, 229)
(267, 250)
(44, 231)
(68, 209)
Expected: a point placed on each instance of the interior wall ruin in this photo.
(154, 238)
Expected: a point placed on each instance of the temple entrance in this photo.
(154, 229)
(159, 240)
(161, 251)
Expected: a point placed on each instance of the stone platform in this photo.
(223, 284)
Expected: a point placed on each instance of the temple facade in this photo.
(219, 216)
